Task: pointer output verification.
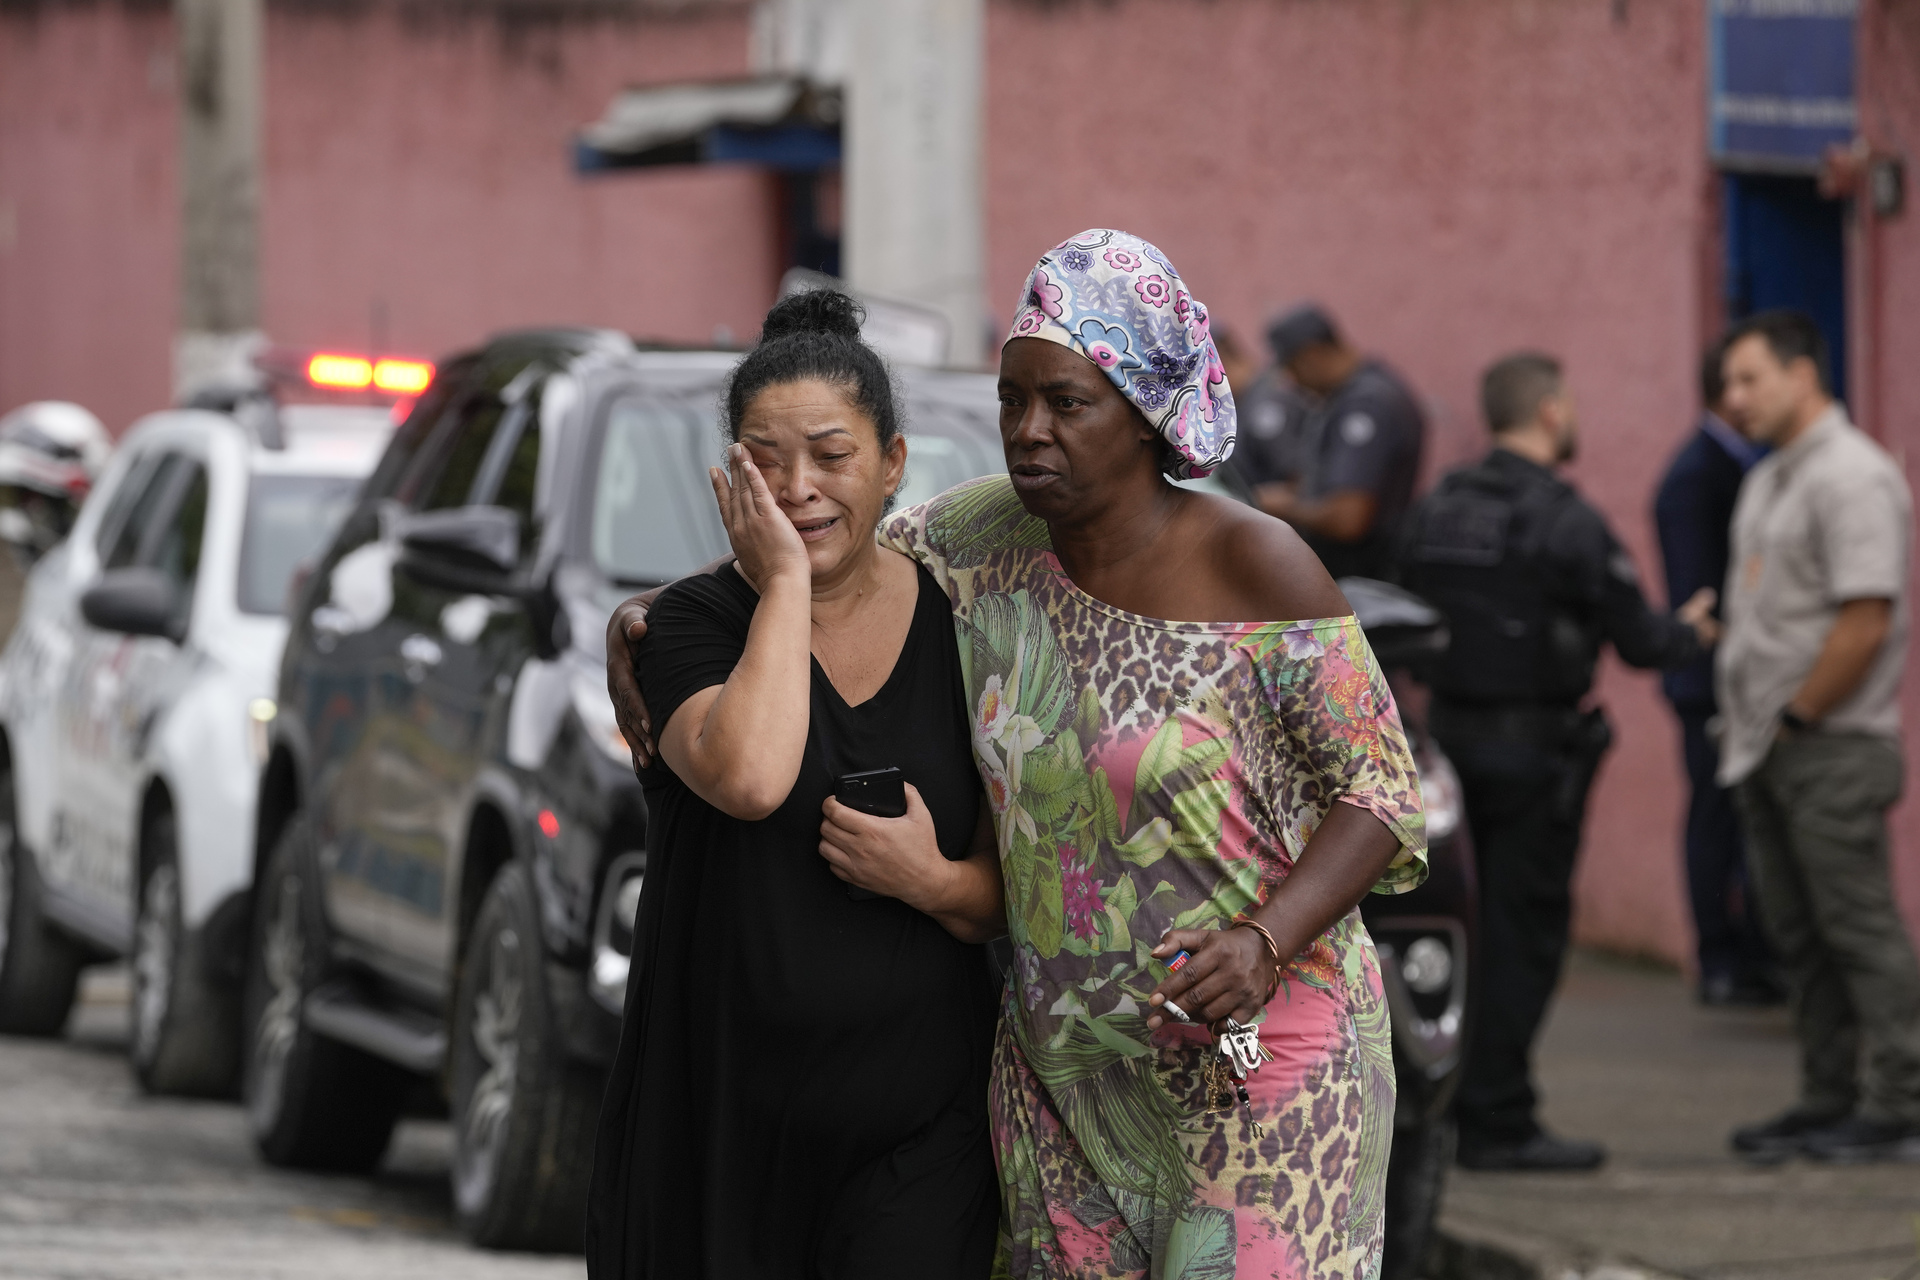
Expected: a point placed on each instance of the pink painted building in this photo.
(1453, 180)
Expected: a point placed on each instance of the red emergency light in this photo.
(402, 377)
(348, 373)
(340, 372)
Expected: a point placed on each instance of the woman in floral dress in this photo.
(1155, 784)
(1154, 781)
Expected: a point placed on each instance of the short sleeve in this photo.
(1272, 419)
(906, 532)
(1332, 698)
(962, 528)
(1863, 541)
(696, 633)
(1362, 446)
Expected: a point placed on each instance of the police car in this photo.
(134, 699)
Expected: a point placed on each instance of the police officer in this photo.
(1334, 449)
(1532, 582)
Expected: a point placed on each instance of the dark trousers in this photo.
(1731, 944)
(1526, 779)
(1816, 820)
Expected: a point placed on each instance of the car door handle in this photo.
(420, 652)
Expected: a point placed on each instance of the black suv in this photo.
(451, 838)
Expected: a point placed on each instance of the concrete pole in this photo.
(220, 92)
(914, 219)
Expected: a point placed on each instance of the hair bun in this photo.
(815, 311)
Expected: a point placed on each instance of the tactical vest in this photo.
(1476, 549)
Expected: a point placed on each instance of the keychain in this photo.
(1237, 1054)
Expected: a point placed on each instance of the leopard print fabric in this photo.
(1147, 775)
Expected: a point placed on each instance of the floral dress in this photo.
(1147, 775)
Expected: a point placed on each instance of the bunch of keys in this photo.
(1238, 1053)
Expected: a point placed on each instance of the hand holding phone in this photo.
(880, 792)
(876, 831)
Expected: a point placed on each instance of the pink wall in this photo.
(1454, 181)
(88, 209)
(418, 188)
(423, 173)
(1890, 261)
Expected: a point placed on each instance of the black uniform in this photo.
(1367, 435)
(1532, 583)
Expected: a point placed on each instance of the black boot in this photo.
(1782, 1137)
(1540, 1153)
(1860, 1139)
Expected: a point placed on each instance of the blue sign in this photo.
(1781, 81)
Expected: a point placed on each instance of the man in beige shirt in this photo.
(1808, 676)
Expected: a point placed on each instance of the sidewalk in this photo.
(1630, 1059)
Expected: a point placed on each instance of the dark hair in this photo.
(1513, 386)
(1791, 335)
(816, 335)
(1713, 374)
(1307, 325)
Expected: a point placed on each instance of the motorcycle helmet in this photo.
(51, 451)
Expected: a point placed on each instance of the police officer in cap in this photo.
(1532, 582)
(1334, 448)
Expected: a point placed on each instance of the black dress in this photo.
(800, 1089)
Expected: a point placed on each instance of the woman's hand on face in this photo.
(765, 542)
(1229, 974)
(894, 857)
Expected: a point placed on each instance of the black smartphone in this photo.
(880, 792)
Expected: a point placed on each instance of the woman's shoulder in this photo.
(1269, 567)
(964, 524)
(718, 598)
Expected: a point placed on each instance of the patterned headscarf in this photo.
(1116, 300)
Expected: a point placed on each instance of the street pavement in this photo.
(1627, 1057)
(98, 1182)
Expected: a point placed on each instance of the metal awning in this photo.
(780, 121)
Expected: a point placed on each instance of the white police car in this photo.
(134, 697)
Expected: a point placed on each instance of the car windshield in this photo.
(653, 512)
(289, 518)
(937, 463)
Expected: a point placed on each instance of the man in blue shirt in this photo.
(1694, 511)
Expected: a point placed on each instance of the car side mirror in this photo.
(463, 548)
(136, 602)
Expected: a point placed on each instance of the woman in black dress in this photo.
(800, 1089)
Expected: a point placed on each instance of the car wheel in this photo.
(312, 1103)
(523, 1116)
(39, 968)
(184, 1038)
(1416, 1175)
